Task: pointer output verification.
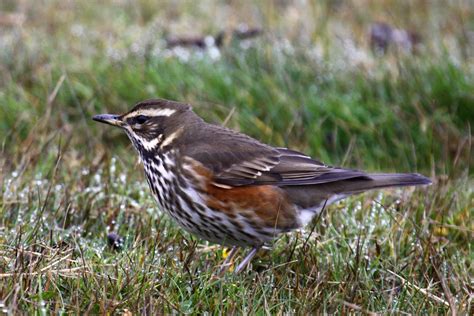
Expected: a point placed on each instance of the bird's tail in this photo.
(312, 196)
(384, 180)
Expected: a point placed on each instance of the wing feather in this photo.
(291, 168)
(238, 160)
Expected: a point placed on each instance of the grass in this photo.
(67, 182)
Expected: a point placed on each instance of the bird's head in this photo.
(152, 125)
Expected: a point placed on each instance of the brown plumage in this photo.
(229, 188)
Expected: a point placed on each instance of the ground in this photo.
(80, 232)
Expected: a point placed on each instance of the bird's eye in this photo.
(140, 119)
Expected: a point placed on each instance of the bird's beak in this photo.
(111, 119)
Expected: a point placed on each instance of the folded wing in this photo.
(284, 168)
(238, 160)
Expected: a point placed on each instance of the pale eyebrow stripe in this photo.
(151, 112)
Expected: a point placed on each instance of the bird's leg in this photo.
(228, 260)
(247, 259)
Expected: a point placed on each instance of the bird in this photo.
(229, 188)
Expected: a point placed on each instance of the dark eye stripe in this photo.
(140, 119)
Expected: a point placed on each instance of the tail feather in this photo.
(312, 197)
(385, 180)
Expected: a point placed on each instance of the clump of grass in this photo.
(67, 183)
(385, 252)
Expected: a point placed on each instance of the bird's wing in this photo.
(292, 168)
(234, 158)
(238, 160)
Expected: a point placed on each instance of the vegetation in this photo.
(310, 82)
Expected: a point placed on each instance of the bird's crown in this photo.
(156, 108)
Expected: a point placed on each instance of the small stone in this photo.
(115, 241)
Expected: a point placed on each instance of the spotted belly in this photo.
(246, 216)
(243, 216)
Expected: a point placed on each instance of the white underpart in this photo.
(151, 112)
(307, 214)
(151, 144)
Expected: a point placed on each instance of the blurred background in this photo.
(379, 85)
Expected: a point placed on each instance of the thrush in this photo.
(229, 188)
